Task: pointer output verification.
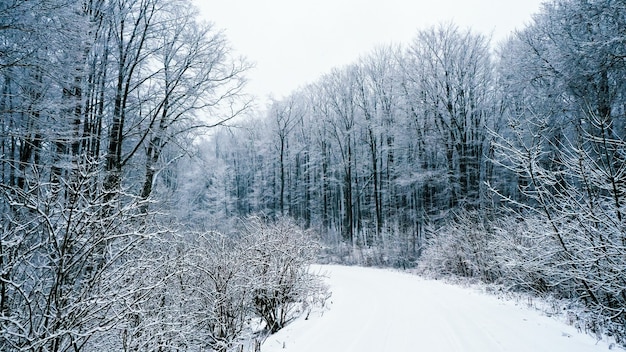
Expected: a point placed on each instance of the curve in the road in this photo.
(374, 310)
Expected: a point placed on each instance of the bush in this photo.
(462, 248)
(208, 288)
(281, 253)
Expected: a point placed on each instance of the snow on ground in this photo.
(381, 310)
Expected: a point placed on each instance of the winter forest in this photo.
(147, 205)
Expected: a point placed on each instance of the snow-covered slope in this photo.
(380, 310)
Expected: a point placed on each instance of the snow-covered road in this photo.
(379, 310)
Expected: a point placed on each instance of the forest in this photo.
(147, 205)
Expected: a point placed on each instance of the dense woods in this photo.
(98, 100)
(498, 161)
(131, 218)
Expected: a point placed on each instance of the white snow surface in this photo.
(381, 310)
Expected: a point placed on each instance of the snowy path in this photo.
(375, 310)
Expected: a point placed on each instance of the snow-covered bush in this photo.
(527, 259)
(569, 264)
(211, 290)
(280, 255)
(64, 253)
(461, 248)
(207, 290)
(521, 253)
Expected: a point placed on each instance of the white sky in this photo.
(294, 42)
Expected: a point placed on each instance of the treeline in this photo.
(397, 140)
(118, 225)
(507, 164)
(98, 99)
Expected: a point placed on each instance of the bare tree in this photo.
(455, 78)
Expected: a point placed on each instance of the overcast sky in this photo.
(293, 42)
